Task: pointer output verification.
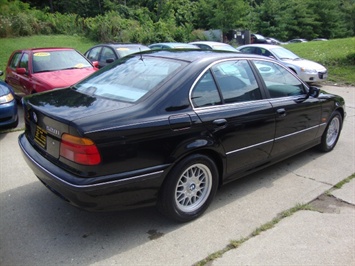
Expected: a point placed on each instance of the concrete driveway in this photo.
(37, 228)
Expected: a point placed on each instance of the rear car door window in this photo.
(236, 81)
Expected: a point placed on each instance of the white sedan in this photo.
(308, 71)
(211, 45)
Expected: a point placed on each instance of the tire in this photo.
(189, 188)
(332, 132)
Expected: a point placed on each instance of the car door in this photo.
(17, 79)
(298, 116)
(228, 100)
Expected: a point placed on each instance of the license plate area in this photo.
(41, 137)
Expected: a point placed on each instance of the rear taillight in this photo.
(79, 150)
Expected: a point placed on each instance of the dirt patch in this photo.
(328, 204)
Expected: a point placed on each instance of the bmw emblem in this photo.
(35, 118)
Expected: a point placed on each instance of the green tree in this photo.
(222, 14)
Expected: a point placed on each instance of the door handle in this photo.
(220, 122)
(281, 112)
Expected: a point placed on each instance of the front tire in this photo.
(332, 132)
(189, 188)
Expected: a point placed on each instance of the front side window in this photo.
(15, 60)
(130, 78)
(279, 82)
(107, 53)
(24, 61)
(94, 53)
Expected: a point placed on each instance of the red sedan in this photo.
(42, 69)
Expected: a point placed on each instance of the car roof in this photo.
(198, 55)
(46, 49)
(120, 45)
(175, 44)
(209, 42)
(266, 46)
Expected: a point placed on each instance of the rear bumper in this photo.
(95, 194)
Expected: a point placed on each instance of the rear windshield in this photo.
(130, 78)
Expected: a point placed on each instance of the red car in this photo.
(42, 69)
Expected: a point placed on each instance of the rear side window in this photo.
(236, 81)
(205, 93)
(226, 82)
(279, 82)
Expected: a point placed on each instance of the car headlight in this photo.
(6, 98)
(309, 70)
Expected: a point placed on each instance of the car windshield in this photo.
(129, 79)
(283, 53)
(58, 60)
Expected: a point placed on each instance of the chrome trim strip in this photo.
(87, 186)
(275, 139)
(295, 133)
(248, 147)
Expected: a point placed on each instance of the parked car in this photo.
(8, 106)
(307, 70)
(320, 39)
(169, 127)
(210, 45)
(41, 69)
(275, 41)
(172, 45)
(258, 38)
(297, 40)
(107, 53)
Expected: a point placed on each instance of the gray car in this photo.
(308, 71)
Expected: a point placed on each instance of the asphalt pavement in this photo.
(37, 228)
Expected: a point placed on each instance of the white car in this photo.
(308, 71)
(210, 45)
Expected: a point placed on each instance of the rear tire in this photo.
(332, 132)
(189, 188)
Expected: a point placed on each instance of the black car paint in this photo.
(140, 143)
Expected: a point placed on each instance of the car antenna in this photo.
(140, 51)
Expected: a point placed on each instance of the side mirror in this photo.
(313, 91)
(95, 64)
(21, 70)
(110, 60)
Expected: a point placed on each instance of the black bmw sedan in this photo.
(167, 128)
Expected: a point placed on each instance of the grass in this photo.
(337, 55)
